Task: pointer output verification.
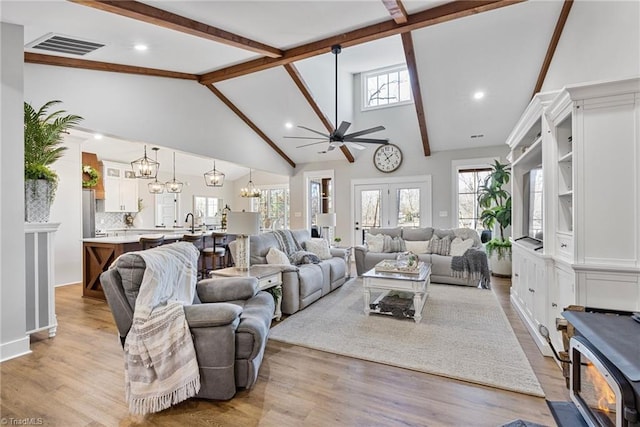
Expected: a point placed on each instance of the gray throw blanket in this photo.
(473, 264)
(287, 242)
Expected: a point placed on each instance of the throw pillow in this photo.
(319, 247)
(460, 246)
(417, 246)
(375, 242)
(304, 257)
(393, 244)
(440, 246)
(276, 256)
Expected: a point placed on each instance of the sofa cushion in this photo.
(417, 246)
(375, 242)
(131, 268)
(460, 246)
(260, 245)
(421, 234)
(310, 279)
(440, 265)
(337, 269)
(440, 246)
(393, 232)
(319, 247)
(276, 256)
(393, 244)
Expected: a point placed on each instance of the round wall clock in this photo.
(387, 158)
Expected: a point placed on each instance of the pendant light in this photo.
(174, 186)
(145, 167)
(250, 190)
(156, 187)
(214, 178)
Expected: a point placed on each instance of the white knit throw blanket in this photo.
(160, 360)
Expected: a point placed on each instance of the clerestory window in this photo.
(386, 87)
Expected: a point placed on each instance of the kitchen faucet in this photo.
(193, 229)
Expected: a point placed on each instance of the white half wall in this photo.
(600, 41)
(13, 340)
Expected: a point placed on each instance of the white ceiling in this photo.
(499, 52)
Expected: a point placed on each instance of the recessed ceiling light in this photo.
(140, 47)
(288, 125)
(97, 136)
(478, 95)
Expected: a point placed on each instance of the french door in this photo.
(400, 203)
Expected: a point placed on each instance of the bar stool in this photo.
(196, 239)
(148, 241)
(215, 253)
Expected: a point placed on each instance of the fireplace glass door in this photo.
(593, 388)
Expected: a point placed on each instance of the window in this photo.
(274, 208)
(469, 181)
(387, 87)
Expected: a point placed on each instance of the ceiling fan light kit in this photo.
(339, 137)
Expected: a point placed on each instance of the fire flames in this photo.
(606, 398)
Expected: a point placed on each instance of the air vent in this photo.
(64, 44)
(479, 135)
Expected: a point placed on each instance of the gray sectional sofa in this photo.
(441, 271)
(305, 283)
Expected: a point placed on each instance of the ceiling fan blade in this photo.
(369, 140)
(313, 143)
(342, 129)
(304, 137)
(365, 132)
(356, 146)
(314, 131)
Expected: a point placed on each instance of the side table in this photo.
(268, 277)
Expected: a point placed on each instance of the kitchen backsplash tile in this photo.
(109, 220)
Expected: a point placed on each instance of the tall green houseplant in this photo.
(495, 201)
(43, 137)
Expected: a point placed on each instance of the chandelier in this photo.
(214, 178)
(174, 186)
(156, 187)
(144, 167)
(250, 190)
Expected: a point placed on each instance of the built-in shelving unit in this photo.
(588, 154)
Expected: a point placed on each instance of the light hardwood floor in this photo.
(76, 379)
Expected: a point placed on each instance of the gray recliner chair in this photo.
(229, 322)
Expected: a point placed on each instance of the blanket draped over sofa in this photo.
(473, 264)
(160, 360)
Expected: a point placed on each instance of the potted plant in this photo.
(495, 201)
(43, 134)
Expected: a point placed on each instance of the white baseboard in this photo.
(542, 344)
(12, 349)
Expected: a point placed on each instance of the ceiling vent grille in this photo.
(65, 44)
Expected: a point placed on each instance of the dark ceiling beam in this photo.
(304, 89)
(62, 61)
(555, 38)
(433, 16)
(152, 15)
(396, 10)
(249, 123)
(412, 67)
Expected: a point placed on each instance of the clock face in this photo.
(387, 158)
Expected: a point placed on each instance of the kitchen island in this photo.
(98, 253)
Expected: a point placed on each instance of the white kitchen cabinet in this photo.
(120, 188)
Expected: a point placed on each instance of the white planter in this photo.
(500, 267)
(137, 220)
(37, 200)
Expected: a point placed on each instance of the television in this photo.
(533, 204)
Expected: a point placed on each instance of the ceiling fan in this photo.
(339, 137)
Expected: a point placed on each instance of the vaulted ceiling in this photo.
(250, 53)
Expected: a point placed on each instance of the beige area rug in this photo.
(464, 334)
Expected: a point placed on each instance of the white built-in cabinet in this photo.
(585, 140)
(120, 187)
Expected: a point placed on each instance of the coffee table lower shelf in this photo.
(406, 310)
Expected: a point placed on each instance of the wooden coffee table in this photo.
(413, 283)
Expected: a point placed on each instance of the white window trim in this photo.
(456, 166)
(379, 71)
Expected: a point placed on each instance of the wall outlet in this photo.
(444, 213)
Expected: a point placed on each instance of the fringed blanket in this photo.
(473, 264)
(288, 243)
(160, 359)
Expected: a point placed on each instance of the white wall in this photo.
(67, 210)
(600, 41)
(13, 341)
(172, 113)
